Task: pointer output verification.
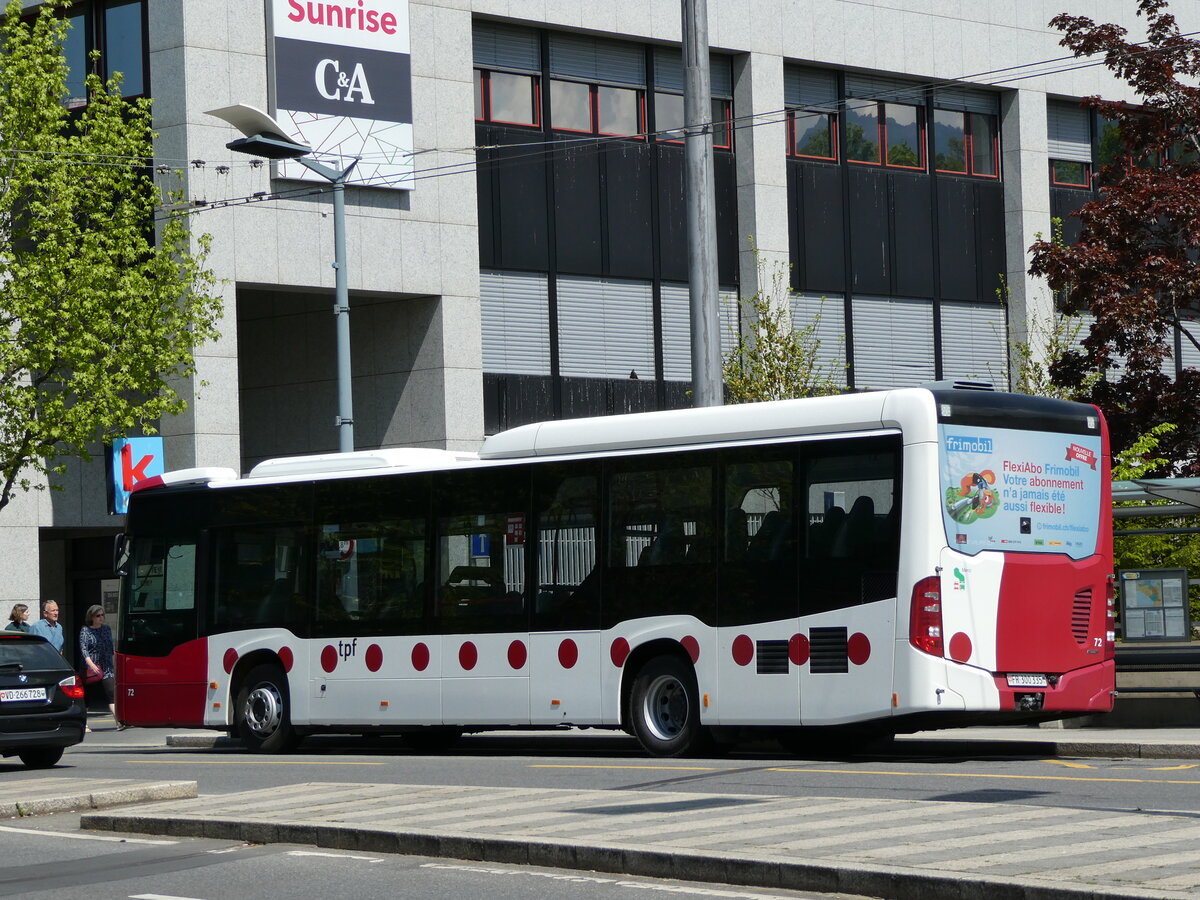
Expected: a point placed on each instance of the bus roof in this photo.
(713, 424)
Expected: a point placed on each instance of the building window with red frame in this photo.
(1070, 173)
(597, 108)
(812, 134)
(880, 133)
(507, 98)
(965, 143)
(669, 121)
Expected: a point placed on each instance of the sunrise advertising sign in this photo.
(343, 86)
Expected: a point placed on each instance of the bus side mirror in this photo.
(121, 552)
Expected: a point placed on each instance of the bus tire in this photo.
(264, 720)
(664, 707)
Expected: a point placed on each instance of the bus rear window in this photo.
(1028, 491)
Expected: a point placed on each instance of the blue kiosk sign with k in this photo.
(133, 460)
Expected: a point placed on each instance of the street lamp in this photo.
(264, 137)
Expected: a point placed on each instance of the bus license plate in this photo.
(9, 695)
(1027, 681)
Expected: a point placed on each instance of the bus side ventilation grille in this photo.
(827, 651)
(772, 657)
(1081, 616)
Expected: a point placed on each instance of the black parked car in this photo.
(41, 701)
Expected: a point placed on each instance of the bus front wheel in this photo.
(665, 708)
(264, 721)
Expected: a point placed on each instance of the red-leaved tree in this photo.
(1136, 265)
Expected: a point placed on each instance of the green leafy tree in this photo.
(1135, 266)
(774, 360)
(99, 312)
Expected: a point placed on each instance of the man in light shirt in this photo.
(47, 626)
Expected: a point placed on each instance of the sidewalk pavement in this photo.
(897, 849)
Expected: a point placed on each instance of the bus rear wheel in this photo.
(664, 707)
(263, 717)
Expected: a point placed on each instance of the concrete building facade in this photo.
(531, 268)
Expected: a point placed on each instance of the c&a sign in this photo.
(132, 460)
(343, 85)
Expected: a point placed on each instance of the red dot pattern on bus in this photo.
(743, 650)
(619, 652)
(468, 656)
(568, 653)
(229, 660)
(420, 657)
(374, 657)
(960, 648)
(328, 659)
(692, 646)
(858, 651)
(798, 649)
(858, 648)
(517, 654)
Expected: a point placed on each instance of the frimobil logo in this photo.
(957, 443)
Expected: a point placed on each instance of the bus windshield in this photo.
(1028, 491)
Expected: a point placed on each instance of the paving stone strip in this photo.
(819, 844)
(54, 794)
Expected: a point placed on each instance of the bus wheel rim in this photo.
(665, 709)
(264, 710)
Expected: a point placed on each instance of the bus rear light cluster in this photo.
(925, 616)
(1110, 618)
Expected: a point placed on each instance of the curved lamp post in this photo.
(264, 137)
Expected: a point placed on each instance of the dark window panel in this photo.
(989, 219)
(818, 224)
(725, 184)
(628, 226)
(869, 231)
(520, 219)
(672, 214)
(912, 235)
(956, 236)
(577, 210)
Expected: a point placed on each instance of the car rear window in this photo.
(29, 654)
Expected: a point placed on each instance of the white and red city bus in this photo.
(899, 559)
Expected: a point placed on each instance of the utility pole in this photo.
(701, 207)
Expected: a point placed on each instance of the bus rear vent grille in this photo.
(772, 657)
(1081, 616)
(828, 651)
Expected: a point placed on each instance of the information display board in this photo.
(1154, 604)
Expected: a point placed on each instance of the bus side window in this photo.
(568, 579)
(259, 579)
(853, 541)
(481, 550)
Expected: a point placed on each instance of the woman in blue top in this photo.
(96, 654)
